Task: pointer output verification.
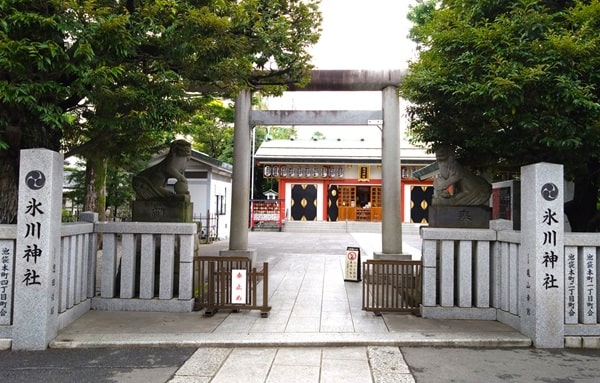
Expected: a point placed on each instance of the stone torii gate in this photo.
(388, 118)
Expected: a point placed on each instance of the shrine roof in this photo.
(364, 151)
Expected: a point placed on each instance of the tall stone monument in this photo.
(155, 200)
(541, 265)
(38, 248)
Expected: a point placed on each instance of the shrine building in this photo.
(340, 179)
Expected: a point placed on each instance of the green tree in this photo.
(107, 80)
(75, 177)
(510, 83)
(118, 185)
(211, 130)
(119, 191)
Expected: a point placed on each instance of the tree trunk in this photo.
(95, 187)
(9, 189)
(89, 201)
(101, 169)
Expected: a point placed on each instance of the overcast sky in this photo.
(357, 34)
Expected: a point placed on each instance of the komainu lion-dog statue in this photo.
(467, 189)
(150, 183)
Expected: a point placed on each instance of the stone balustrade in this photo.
(475, 274)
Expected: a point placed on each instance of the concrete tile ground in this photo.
(315, 332)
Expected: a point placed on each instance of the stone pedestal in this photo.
(460, 217)
(248, 253)
(162, 210)
(392, 257)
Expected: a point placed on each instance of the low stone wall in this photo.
(146, 266)
(143, 267)
(475, 274)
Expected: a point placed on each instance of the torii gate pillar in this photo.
(391, 219)
(240, 184)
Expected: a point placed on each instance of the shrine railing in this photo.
(475, 273)
(146, 266)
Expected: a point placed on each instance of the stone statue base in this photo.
(161, 210)
(460, 217)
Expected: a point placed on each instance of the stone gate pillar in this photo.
(541, 263)
(37, 252)
(240, 185)
(391, 220)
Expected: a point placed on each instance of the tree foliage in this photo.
(119, 190)
(109, 80)
(211, 129)
(510, 83)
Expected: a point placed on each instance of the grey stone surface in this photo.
(446, 273)
(247, 253)
(146, 227)
(573, 342)
(454, 233)
(509, 236)
(7, 265)
(129, 265)
(513, 283)
(582, 330)
(162, 211)
(390, 172)
(443, 365)
(460, 217)
(389, 256)
(147, 267)
(482, 274)
(590, 342)
(240, 182)
(572, 285)
(35, 318)
(588, 294)
(542, 283)
(204, 363)
(438, 312)
(167, 266)
(388, 365)
(383, 357)
(174, 305)
(5, 344)
(465, 273)
(501, 224)
(508, 319)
